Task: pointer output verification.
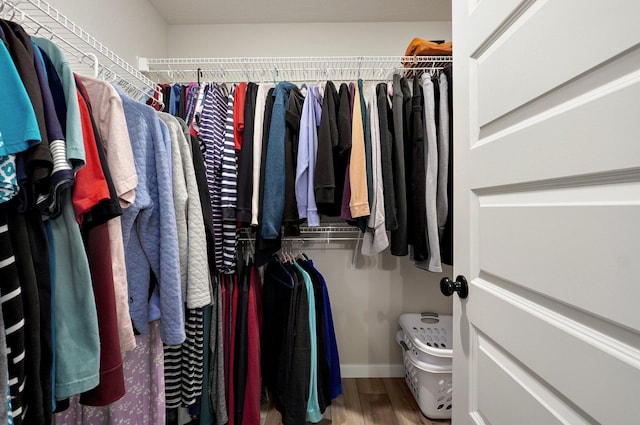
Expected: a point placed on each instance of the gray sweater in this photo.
(433, 260)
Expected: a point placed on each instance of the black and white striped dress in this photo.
(13, 315)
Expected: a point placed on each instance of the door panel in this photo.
(547, 217)
(490, 18)
(565, 142)
(600, 81)
(583, 238)
(521, 64)
(598, 374)
(503, 379)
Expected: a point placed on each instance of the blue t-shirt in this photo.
(18, 125)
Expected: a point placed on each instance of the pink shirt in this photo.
(109, 115)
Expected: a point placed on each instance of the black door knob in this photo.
(448, 287)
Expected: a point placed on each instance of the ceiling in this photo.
(192, 12)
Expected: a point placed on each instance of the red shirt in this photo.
(90, 186)
(238, 114)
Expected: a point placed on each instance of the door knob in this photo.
(448, 287)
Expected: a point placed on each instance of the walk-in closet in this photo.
(294, 212)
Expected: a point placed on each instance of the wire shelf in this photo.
(92, 57)
(294, 69)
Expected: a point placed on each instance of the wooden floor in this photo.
(368, 401)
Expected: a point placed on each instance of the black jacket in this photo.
(290, 219)
(386, 160)
(398, 243)
(419, 176)
(245, 158)
(325, 184)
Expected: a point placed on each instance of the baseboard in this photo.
(372, 371)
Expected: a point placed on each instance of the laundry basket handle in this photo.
(429, 318)
(404, 345)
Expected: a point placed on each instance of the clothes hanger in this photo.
(248, 251)
(284, 254)
(114, 76)
(23, 18)
(95, 63)
(13, 11)
(280, 273)
(42, 27)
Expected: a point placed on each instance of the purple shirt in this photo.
(307, 153)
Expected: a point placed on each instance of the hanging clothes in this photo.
(375, 238)
(246, 159)
(264, 104)
(307, 157)
(253, 392)
(332, 356)
(229, 184)
(419, 175)
(359, 164)
(143, 402)
(324, 179)
(274, 181)
(290, 218)
(286, 346)
(106, 108)
(432, 262)
(385, 121)
(141, 213)
(155, 251)
(399, 236)
(300, 361)
(447, 239)
(13, 318)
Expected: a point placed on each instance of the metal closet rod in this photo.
(327, 233)
(47, 21)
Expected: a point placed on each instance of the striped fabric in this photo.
(183, 364)
(206, 134)
(13, 315)
(61, 177)
(212, 129)
(192, 353)
(172, 375)
(229, 192)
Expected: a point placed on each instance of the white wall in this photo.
(316, 39)
(128, 28)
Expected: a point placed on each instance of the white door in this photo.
(547, 212)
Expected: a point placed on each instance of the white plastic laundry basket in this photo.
(431, 387)
(428, 337)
